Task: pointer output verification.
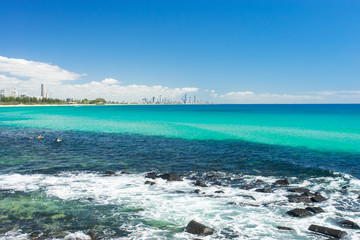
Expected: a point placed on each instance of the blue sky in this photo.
(224, 51)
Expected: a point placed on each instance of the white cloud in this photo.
(35, 70)
(110, 81)
(248, 97)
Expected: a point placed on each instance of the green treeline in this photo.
(34, 100)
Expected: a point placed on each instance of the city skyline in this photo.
(224, 52)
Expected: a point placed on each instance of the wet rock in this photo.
(198, 228)
(36, 234)
(348, 224)
(318, 198)
(282, 182)
(237, 179)
(299, 190)
(124, 172)
(212, 176)
(359, 197)
(284, 228)
(150, 183)
(172, 176)
(200, 183)
(259, 181)
(249, 186)
(217, 183)
(197, 191)
(345, 187)
(247, 196)
(327, 231)
(264, 190)
(219, 191)
(179, 191)
(151, 175)
(308, 194)
(315, 209)
(109, 173)
(298, 199)
(92, 235)
(299, 212)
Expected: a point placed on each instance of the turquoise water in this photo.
(318, 127)
(60, 190)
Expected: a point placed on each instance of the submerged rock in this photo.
(197, 191)
(198, 228)
(348, 224)
(219, 191)
(172, 176)
(92, 235)
(200, 183)
(298, 199)
(284, 228)
(315, 209)
(299, 190)
(318, 198)
(327, 231)
(151, 175)
(109, 173)
(149, 182)
(299, 212)
(264, 190)
(247, 196)
(282, 182)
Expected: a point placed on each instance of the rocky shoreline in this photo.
(304, 200)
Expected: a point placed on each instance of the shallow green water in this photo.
(320, 127)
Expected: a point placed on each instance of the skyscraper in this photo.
(43, 91)
(13, 92)
(2, 93)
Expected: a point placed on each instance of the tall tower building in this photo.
(13, 92)
(185, 98)
(2, 93)
(43, 91)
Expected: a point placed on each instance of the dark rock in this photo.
(259, 181)
(217, 183)
(109, 173)
(299, 190)
(299, 212)
(282, 182)
(123, 172)
(359, 197)
(249, 186)
(92, 235)
(348, 224)
(172, 176)
(237, 179)
(36, 234)
(308, 194)
(345, 187)
(284, 228)
(198, 228)
(197, 191)
(200, 183)
(327, 231)
(247, 196)
(315, 209)
(298, 199)
(318, 198)
(151, 175)
(149, 182)
(179, 191)
(264, 190)
(211, 176)
(219, 191)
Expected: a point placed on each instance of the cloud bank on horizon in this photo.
(27, 76)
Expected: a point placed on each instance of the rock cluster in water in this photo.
(298, 195)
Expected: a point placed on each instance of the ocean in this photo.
(92, 183)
